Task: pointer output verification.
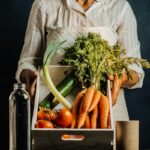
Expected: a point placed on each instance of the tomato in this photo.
(53, 115)
(43, 114)
(64, 118)
(44, 124)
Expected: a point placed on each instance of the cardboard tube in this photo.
(127, 135)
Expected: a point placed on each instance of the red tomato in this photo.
(53, 115)
(43, 114)
(44, 124)
(64, 118)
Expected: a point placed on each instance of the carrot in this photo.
(85, 104)
(76, 106)
(108, 123)
(111, 77)
(94, 117)
(116, 88)
(81, 120)
(87, 99)
(104, 111)
(95, 100)
(87, 121)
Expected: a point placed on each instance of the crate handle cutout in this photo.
(72, 137)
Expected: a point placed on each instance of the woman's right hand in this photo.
(29, 77)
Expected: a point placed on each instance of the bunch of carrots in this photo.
(91, 109)
(93, 60)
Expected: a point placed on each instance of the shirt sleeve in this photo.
(34, 43)
(128, 39)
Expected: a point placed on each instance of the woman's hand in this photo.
(122, 82)
(128, 82)
(29, 78)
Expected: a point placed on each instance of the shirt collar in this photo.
(74, 5)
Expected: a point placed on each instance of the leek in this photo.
(48, 55)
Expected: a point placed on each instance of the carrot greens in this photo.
(94, 59)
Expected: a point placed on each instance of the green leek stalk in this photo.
(49, 53)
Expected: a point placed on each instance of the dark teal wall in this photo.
(138, 100)
(13, 20)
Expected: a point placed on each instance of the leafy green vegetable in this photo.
(94, 59)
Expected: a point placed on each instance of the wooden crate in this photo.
(43, 139)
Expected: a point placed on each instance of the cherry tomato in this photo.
(44, 124)
(64, 118)
(43, 114)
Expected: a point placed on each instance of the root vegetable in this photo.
(87, 122)
(85, 104)
(95, 100)
(75, 108)
(94, 117)
(104, 111)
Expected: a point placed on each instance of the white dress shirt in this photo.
(46, 16)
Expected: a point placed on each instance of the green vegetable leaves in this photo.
(94, 59)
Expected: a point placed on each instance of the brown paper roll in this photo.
(127, 135)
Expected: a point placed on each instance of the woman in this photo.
(114, 19)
